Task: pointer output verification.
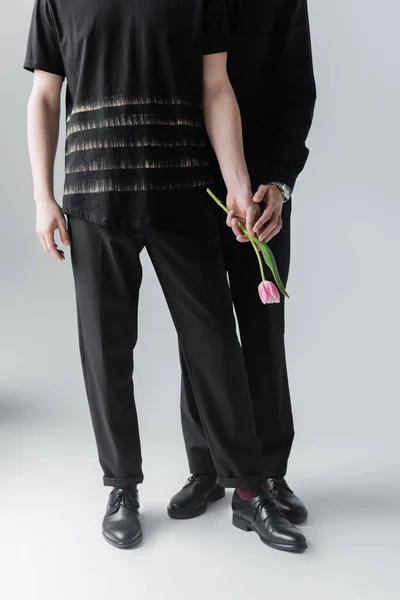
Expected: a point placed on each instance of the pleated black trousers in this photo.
(262, 336)
(186, 254)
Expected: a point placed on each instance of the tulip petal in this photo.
(262, 293)
(269, 293)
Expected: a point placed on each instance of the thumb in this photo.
(260, 194)
(62, 228)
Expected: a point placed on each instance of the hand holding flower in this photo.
(242, 207)
(270, 222)
(268, 292)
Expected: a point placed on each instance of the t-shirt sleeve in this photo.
(216, 26)
(43, 50)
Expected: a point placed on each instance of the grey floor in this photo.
(52, 499)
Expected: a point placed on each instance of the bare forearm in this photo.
(43, 130)
(224, 127)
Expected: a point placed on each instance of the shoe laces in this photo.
(124, 498)
(196, 478)
(279, 483)
(273, 509)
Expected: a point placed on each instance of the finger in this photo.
(268, 235)
(260, 194)
(251, 218)
(242, 238)
(267, 230)
(235, 228)
(231, 215)
(42, 241)
(62, 228)
(265, 217)
(273, 233)
(52, 248)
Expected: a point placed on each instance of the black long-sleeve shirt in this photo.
(271, 69)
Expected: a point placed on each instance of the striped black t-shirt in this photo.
(134, 97)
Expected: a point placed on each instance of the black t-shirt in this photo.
(134, 71)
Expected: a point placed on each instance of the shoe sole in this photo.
(192, 514)
(124, 545)
(245, 526)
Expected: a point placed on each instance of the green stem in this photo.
(214, 197)
(260, 262)
(247, 234)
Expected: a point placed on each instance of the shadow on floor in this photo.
(19, 408)
(383, 498)
(156, 522)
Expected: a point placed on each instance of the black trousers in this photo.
(262, 336)
(187, 258)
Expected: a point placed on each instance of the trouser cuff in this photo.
(202, 468)
(275, 470)
(123, 482)
(275, 465)
(251, 481)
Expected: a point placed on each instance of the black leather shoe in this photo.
(286, 500)
(262, 516)
(121, 525)
(193, 499)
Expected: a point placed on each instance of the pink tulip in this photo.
(269, 293)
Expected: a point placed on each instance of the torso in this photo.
(134, 99)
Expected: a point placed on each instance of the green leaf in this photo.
(271, 264)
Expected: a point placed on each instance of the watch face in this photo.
(285, 191)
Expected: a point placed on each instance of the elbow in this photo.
(216, 89)
(50, 103)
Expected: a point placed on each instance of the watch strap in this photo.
(284, 189)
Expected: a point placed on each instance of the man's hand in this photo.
(49, 217)
(270, 223)
(242, 208)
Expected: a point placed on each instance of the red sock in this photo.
(248, 493)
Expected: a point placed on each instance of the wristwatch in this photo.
(284, 189)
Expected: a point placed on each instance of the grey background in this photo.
(343, 329)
